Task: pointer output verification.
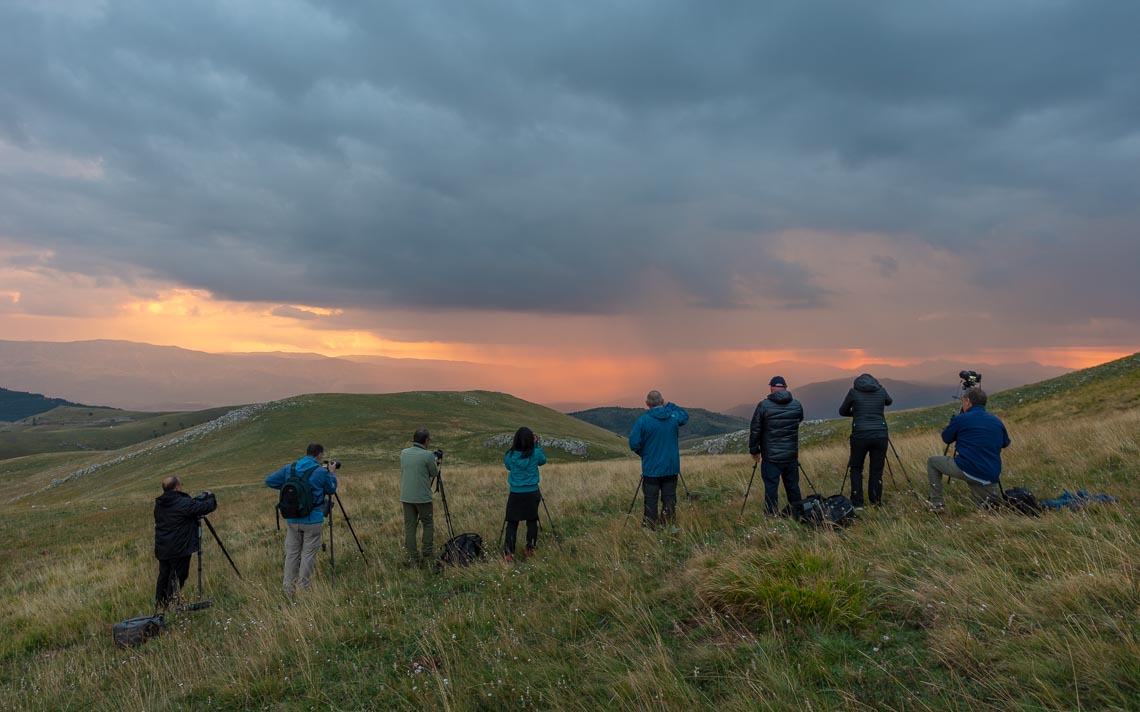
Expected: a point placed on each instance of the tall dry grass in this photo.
(904, 610)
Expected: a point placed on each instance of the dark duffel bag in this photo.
(462, 550)
(1022, 500)
(136, 631)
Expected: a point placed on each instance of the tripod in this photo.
(201, 603)
(902, 468)
(749, 490)
(443, 498)
(332, 545)
(632, 502)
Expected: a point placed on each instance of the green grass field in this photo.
(904, 610)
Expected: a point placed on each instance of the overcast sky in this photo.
(574, 181)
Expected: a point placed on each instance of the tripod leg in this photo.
(688, 495)
(220, 546)
(905, 475)
(350, 529)
(749, 490)
(553, 531)
(632, 502)
(843, 483)
(200, 558)
(801, 468)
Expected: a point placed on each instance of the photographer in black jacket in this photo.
(775, 437)
(176, 536)
(864, 404)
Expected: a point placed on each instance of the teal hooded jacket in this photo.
(523, 471)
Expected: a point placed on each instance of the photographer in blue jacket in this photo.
(303, 534)
(979, 438)
(656, 440)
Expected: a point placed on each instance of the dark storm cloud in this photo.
(511, 156)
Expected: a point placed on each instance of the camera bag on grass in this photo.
(136, 631)
(462, 550)
(833, 511)
(1022, 501)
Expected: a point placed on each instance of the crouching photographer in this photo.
(176, 529)
(979, 438)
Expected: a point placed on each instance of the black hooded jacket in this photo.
(176, 523)
(864, 404)
(775, 431)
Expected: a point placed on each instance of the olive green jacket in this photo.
(417, 469)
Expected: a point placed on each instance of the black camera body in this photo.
(970, 379)
(438, 454)
(331, 464)
(202, 496)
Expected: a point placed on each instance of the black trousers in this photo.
(666, 489)
(513, 532)
(772, 473)
(876, 447)
(166, 589)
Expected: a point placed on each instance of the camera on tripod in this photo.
(970, 379)
(438, 455)
(331, 464)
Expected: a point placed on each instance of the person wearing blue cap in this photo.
(774, 442)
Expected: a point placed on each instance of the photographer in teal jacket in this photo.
(656, 440)
(522, 462)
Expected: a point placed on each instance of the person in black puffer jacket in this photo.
(176, 536)
(864, 404)
(774, 442)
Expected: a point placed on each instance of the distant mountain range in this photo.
(135, 376)
(17, 405)
(822, 400)
(701, 422)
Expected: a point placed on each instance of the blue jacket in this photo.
(980, 437)
(323, 482)
(655, 439)
(523, 471)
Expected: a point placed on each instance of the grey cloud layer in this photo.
(511, 156)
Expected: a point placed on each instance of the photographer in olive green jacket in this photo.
(418, 467)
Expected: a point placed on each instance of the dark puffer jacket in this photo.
(775, 432)
(176, 523)
(864, 404)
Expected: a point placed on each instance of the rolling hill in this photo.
(83, 428)
(729, 611)
(702, 423)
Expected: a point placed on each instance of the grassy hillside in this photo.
(905, 610)
(71, 428)
(702, 423)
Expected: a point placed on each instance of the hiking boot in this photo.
(508, 558)
(938, 508)
(528, 552)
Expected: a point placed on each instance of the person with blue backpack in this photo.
(522, 462)
(304, 487)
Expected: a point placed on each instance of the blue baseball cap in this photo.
(777, 381)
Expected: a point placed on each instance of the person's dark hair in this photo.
(976, 395)
(315, 450)
(170, 483)
(421, 436)
(524, 442)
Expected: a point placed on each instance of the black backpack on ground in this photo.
(296, 498)
(1021, 500)
(834, 511)
(136, 631)
(462, 550)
